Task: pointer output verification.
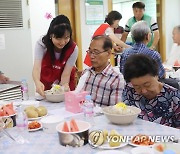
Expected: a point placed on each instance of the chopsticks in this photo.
(7, 134)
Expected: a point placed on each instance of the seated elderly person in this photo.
(142, 35)
(104, 84)
(158, 102)
(174, 57)
(3, 78)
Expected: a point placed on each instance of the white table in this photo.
(42, 143)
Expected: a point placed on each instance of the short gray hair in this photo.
(139, 31)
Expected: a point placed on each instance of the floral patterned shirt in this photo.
(163, 109)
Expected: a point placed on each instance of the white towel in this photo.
(81, 82)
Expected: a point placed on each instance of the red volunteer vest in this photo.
(100, 31)
(51, 72)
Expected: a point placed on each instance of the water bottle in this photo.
(88, 109)
(24, 89)
(21, 125)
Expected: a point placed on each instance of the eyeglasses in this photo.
(95, 52)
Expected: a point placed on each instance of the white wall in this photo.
(172, 19)
(88, 30)
(16, 59)
(40, 24)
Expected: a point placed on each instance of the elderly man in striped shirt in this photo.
(104, 84)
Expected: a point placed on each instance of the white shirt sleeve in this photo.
(108, 31)
(40, 49)
(127, 29)
(154, 25)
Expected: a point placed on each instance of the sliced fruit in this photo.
(65, 127)
(73, 126)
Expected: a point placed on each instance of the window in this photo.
(11, 14)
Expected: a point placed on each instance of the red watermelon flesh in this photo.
(73, 126)
(65, 127)
(177, 63)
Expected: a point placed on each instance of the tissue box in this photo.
(73, 101)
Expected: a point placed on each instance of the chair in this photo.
(172, 82)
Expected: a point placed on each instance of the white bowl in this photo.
(49, 123)
(121, 118)
(74, 139)
(55, 98)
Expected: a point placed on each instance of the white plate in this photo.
(32, 130)
(106, 146)
(142, 150)
(38, 118)
(111, 152)
(136, 145)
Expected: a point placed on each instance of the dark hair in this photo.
(138, 65)
(58, 26)
(119, 30)
(139, 5)
(112, 16)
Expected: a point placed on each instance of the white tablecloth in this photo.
(42, 143)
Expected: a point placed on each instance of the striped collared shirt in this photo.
(106, 87)
(140, 48)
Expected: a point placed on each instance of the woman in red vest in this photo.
(107, 28)
(55, 56)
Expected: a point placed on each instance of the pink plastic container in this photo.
(73, 101)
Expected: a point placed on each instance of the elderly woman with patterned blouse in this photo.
(158, 102)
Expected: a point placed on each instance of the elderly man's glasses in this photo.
(95, 52)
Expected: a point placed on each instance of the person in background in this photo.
(119, 31)
(55, 56)
(102, 82)
(174, 57)
(107, 28)
(3, 78)
(141, 34)
(138, 10)
(158, 102)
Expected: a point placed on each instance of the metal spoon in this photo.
(6, 132)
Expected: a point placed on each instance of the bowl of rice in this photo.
(121, 113)
(55, 94)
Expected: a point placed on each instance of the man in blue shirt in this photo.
(141, 34)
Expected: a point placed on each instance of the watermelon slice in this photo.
(8, 110)
(73, 126)
(65, 127)
(10, 106)
(177, 63)
(1, 113)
